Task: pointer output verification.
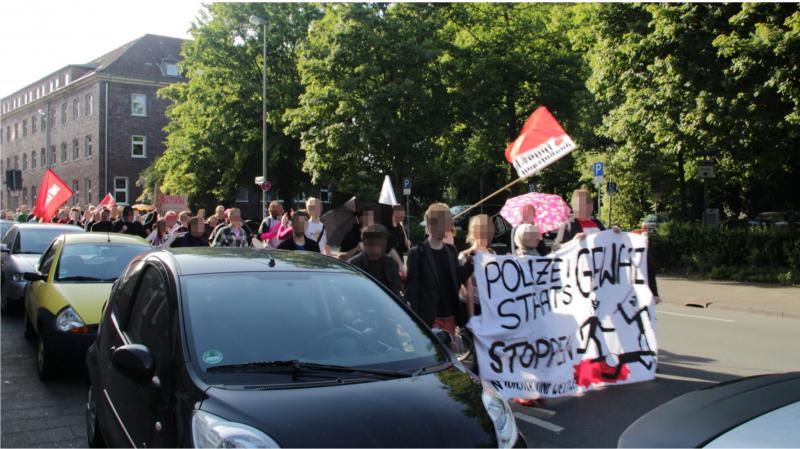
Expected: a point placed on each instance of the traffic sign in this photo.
(265, 186)
(599, 180)
(599, 169)
(705, 169)
(611, 188)
(259, 180)
(406, 186)
(531, 187)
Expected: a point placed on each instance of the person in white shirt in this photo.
(315, 229)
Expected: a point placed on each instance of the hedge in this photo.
(746, 254)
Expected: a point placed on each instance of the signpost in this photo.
(611, 188)
(531, 187)
(705, 171)
(598, 169)
(407, 193)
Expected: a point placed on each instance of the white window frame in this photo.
(88, 185)
(117, 190)
(144, 147)
(245, 198)
(87, 146)
(87, 110)
(134, 101)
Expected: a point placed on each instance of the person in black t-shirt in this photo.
(104, 225)
(375, 261)
(299, 242)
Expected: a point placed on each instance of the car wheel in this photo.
(93, 434)
(30, 332)
(45, 363)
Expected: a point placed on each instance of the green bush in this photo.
(749, 254)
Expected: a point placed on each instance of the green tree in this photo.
(214, 133)
(373, 101)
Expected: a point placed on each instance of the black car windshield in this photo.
(35, 241)
(95, 262)
(336, 319)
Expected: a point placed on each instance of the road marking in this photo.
(695, 316)
(541, 412)
(538, 422)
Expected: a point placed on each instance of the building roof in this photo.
(140, 59)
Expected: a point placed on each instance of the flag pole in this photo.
(490, 196)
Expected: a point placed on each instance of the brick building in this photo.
(96, 125)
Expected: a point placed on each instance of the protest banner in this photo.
(165, 203)
(571, 321)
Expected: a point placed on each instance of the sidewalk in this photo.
(772, 300)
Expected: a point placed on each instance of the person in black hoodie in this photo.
(195, 236)
(374, 259)
(104, 225)
(127, 225)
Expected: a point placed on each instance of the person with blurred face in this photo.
(299, 241)
(159, 235)
(398, 237)
(104, 225)
(210, 224)
(233, 235)
(89, 218)
(351, 243)
(433, 275)
(195, 236)
(272, 223)
(529, 241)
(315, 230)
(183, 221)
(479, 235)
(374, 259)
(171, 219)
(219, 212)
(128, 225)
(582, 222)
(528, 213)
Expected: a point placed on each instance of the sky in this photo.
(38, 37)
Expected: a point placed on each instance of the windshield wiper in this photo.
(299, 367)
(432, 369)
(80, 278)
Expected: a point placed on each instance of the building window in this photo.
(8, 134)
(63, 152)
(88, 191)
(52, 155)
(121, 190)
(75, 150)
(25, 161)
(43, 159)
(325, 195)
(24, 128)
(75, 110)
(76, 195)
(87, 109)
(299, 198)
(63, 113)
(87, 150)
(43, 122)
(52, 115)
(33, 124)
(33, 195)
(16, 131)
(24, 194)
(138, 146)
(16, 162)
(169, 67)
(33, 160)
(242, 196)
(139, 105)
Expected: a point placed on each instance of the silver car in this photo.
(21, 247)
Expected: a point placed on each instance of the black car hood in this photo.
(443, 409)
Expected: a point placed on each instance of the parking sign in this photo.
(599, 169)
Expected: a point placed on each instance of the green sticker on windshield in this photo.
(212, 357)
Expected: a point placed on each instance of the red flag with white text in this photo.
(108, 200)
(541, 142)
(53, 193)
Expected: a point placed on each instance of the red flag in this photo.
(53, 193)
(541, 142)
(108, 200)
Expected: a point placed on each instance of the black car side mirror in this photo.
(33, 277)
(134, 361)
(443, 336)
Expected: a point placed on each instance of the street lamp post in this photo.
(255, 20)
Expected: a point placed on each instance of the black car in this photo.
(756, 411)
(216, 347)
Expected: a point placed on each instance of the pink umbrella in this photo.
(551, 210)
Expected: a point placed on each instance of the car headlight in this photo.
(212, 431)
(502, 417)
(17, 277)
(68, 320)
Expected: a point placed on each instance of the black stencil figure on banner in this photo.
(637, 317)
(594, 324)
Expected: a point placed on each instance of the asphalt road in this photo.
(697, 348)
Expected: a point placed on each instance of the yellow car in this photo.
(65, 297)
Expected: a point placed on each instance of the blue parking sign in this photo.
(599, 169)
(406, 183)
